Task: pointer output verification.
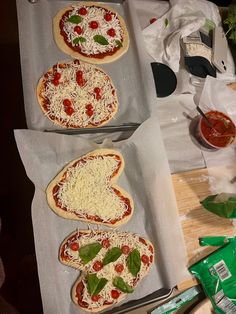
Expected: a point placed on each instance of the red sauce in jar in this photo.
(222, 132)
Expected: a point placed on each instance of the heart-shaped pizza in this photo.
(112, 264)
(91, 32)
(86, 190)
(75, 94)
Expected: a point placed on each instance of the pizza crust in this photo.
(59, 39)
(40, 89)
(69, 215)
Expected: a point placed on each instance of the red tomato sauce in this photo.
(77, 48)
(79, 295)
(222, 132)
(71, 239)
(92, 217)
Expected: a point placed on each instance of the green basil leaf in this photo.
(119, 283)
(112, 255)
(166, 22)
(89, 251)
(223, 204)
(100, 40)
(134, 262)
(75, 19)
(95, 284)
(78, 40)
(118, 43)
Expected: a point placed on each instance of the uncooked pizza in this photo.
(75, 94)
(91, 32)
(112, 265)
(86, 190)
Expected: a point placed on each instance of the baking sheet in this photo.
(146, 177)
(39, 52)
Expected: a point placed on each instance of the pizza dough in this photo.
(86, 190)
(91, 32)
(120, 260)
(75, 94)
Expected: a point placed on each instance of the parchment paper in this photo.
(39, 52)
(146, 177)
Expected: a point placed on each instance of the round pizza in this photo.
(91, 32)
(86, 190)
(75, 94)
(112, 265)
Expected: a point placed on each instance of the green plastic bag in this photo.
(223, 204)
(217, 274)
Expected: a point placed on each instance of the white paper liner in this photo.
(39, 52)
(146, 177)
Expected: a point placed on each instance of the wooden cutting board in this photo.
(190, 188)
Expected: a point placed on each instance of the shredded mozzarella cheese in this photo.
(86, 189)
(79, 96)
